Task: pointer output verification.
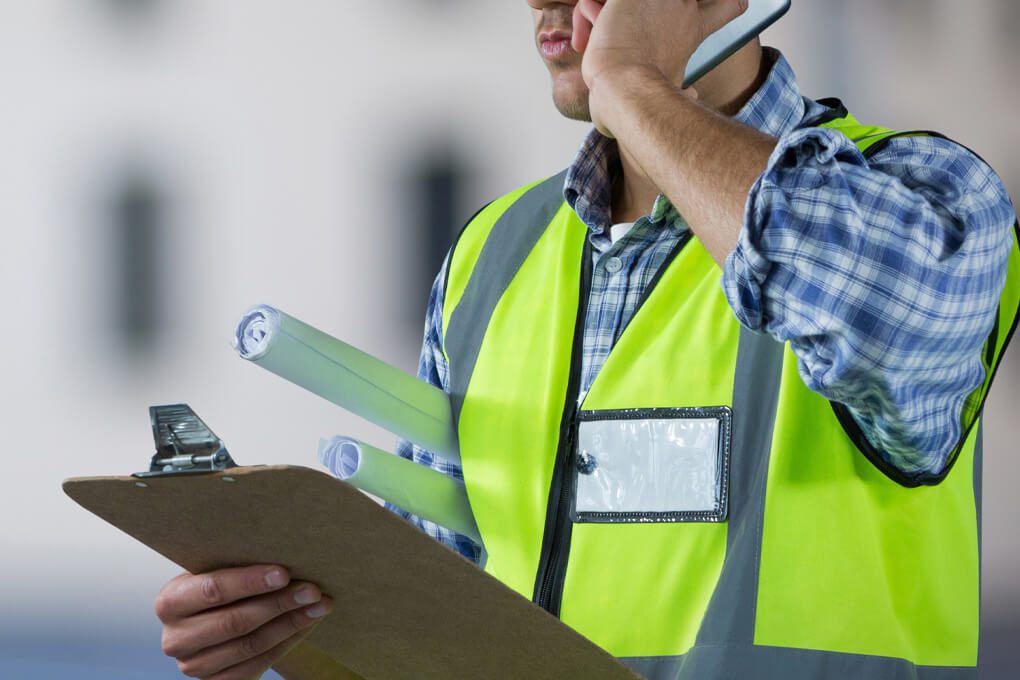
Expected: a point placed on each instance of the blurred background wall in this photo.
(166, 163)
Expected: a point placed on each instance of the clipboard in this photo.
(405, 605)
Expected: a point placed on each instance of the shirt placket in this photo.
(607, 298)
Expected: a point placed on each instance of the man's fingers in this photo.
(590, 9)
(255, 652)
(254, 668)
(585, 14)
(187, 637)
(581, 31)
(717, 13)
(189, 594)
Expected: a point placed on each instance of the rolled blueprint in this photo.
(348, 377)
(420, 490)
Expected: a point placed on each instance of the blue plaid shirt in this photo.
(883, 275)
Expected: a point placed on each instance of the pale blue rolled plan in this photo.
(420, 490)
(356, 381)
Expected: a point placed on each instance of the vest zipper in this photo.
(552, 563)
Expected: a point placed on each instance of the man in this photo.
(784, 322)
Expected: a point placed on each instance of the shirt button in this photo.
(613, 265)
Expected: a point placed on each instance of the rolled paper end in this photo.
(340, 456)
(254, 334)
(414, 488)
(350, 459)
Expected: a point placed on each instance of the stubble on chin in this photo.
(573, 107)
(571, 100)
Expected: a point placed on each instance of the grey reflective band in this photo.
(785, 663)
(731, 611)
(508, 245)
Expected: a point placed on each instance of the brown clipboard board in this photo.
(405, 606)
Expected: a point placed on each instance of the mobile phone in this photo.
(719, 46)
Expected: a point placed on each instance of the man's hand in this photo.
(234, 624)
(620, 37)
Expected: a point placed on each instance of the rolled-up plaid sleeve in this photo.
(432, 368)
(884, 276)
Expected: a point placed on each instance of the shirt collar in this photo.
(776, 109)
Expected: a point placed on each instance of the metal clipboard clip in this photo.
(184, 444)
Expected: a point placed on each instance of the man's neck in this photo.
(726, 89)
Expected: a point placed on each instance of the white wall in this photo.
(277, 129)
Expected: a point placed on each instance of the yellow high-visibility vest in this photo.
(702, 513)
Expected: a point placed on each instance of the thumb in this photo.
(586, 12)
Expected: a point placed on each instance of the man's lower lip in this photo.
(556, 49)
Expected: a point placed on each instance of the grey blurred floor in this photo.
(133, 654)
(999, 643)
(121, 652)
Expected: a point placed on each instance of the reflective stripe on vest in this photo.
(825, 566)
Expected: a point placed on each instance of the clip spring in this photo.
(184, 444)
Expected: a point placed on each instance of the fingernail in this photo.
(275, 578)
(307, 595)
(317, 611)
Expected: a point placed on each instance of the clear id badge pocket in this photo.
(652, 465)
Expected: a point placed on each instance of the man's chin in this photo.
(580, 114)
(573, 108)
(570, 93)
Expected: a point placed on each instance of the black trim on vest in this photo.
(849, 423)
(979, 476)
(837, 111)
(990, 346)
(880, 146)
(552, 563)
(853, 430)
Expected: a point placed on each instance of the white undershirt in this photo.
(618, 231)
